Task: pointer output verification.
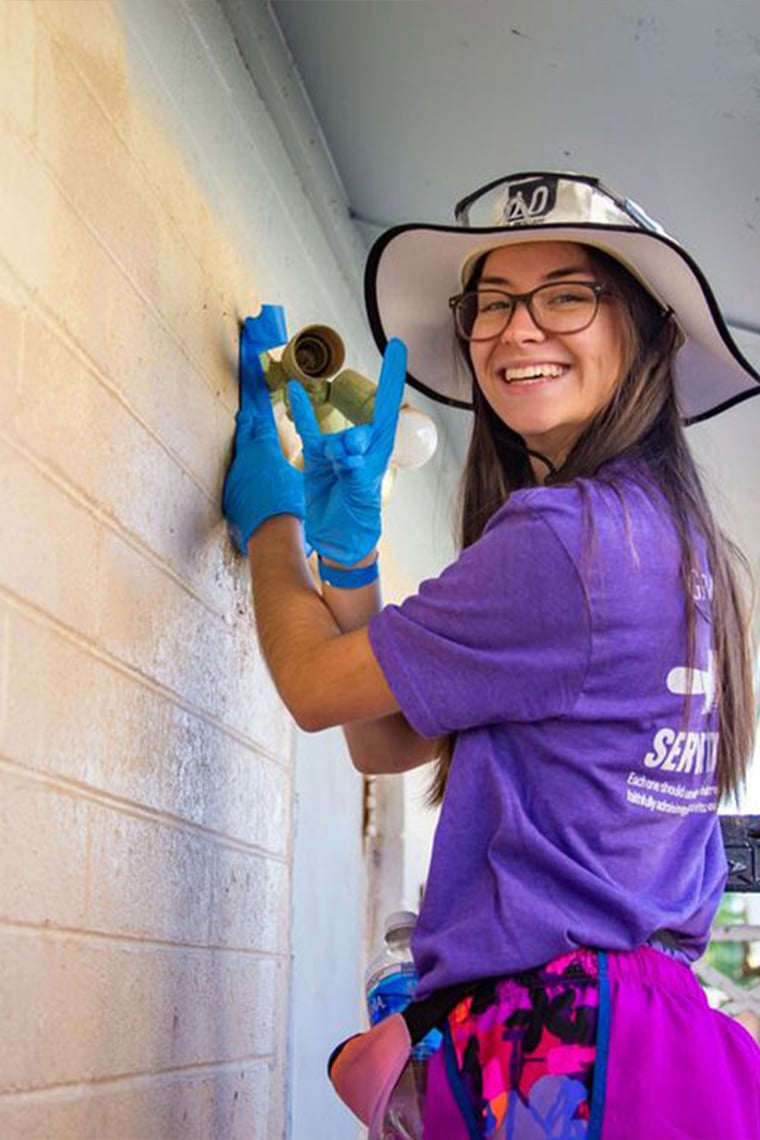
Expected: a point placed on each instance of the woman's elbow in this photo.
(308, 718)
(300, 699)
(310, 715)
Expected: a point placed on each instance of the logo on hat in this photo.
(529, 200)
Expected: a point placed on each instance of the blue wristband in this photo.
(348, 579)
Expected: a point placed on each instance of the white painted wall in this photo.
(175, 959)
(328, 930)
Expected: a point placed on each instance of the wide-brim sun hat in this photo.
(413, 270)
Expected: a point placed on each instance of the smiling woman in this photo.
(573, 878)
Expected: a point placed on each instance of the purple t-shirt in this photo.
(580, 808)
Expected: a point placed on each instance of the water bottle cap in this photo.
(400, 920)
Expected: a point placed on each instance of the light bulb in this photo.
(416, 439)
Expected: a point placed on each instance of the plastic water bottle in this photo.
(391, 978)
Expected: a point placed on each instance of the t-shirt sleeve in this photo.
(503, 634)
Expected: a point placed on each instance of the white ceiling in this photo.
(421, 101)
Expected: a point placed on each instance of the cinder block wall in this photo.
(145, 761)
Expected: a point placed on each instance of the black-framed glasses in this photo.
(561, 307)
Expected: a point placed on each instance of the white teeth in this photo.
(533, 371)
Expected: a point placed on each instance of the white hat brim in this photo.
(413, 270)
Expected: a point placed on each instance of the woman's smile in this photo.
(532, 373)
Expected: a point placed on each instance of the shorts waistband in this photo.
(649, 967)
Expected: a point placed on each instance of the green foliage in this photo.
(730, 958)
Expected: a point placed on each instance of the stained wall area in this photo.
(146, 764)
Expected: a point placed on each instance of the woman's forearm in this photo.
(324, 676)
(388, 744)
(292, 620)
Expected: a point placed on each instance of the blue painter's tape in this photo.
(259, 334)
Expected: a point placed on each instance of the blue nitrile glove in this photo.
(260, 482)
(343, 471)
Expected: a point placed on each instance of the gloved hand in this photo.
(260, 482)
(343, 471)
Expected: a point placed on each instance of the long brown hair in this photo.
(641, 420)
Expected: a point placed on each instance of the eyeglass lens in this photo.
(565, 307)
